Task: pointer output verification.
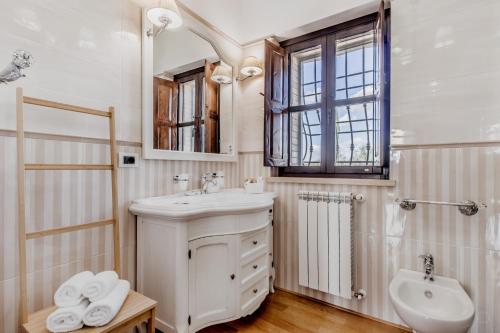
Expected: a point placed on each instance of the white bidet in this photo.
(439, 306)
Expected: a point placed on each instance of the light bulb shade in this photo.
(165, 15)
(222, 75)
(251, 67)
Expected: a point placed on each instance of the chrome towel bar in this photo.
(467, 207)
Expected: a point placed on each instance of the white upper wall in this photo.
(445, 71)
(85, 53)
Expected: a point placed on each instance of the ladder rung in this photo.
(62, 230)
(62, 106)
(68, 166)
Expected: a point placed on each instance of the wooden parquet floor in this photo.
(283, 312)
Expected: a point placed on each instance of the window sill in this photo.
(333, 181)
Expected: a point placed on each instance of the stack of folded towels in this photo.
(85, 298)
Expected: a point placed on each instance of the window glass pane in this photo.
(358, 111)
(343, 127)
(310, 99)
(309, 89)
(305, 76)
(341, 94)
(369, 57)
(369, 77)
(355, 80)
(369, 90)
(202, 131)
(340, 84)
(342, 114)
(318, 88)
(340, 65)
(355, 66)
(308, 71)
(187, 94)
(355, 92)
(305, 138)
(357, 135)
(203, 93)
(354, 60)
(318, 69)
(359, 126)
(186, 138)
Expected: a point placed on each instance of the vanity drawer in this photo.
(253, 294)
(251, 270)
(254, 243)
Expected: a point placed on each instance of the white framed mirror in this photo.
(188, 96)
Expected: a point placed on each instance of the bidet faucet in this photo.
(428, 266)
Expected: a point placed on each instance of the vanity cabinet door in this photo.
(212, 280)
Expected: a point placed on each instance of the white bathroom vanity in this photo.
(206, 259)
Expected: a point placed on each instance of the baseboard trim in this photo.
(359, 314)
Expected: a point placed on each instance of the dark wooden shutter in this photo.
(275, 106)
(380, 34)
(211, 110)
(382, 83)
(165, 95)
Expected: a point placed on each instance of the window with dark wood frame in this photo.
(190, 115)
(186, 112)
(327, 101)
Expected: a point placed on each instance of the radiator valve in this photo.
(360, 294)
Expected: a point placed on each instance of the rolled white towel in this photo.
(67, 319)
(70, 292)
(100, 285)
(102, 312)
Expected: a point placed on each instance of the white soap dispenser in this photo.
(181, 182)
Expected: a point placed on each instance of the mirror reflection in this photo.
(192, 95)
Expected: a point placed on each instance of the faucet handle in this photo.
(428, 259)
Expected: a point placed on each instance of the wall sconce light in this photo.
(251, 67)
(222, 75)
(165, 16)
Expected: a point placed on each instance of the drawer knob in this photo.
(255, 266)
(255, 242)
(255, 291)
(232, 276)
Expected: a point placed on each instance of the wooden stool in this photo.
(137, 308)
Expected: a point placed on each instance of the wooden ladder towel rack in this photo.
(137, 308)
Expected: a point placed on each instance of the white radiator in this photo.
(325, 242)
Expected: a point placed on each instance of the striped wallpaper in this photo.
(57, 198)
(386, 238)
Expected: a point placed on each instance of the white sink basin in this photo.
(439, 306)
(230, 201)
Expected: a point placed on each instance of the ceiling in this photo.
(248, 21)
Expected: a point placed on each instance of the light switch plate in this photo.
(128, 160)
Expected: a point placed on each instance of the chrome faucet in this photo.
(207, 179)
(428, 266)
